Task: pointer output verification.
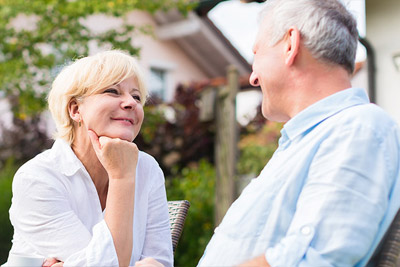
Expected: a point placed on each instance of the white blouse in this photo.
(56, 212)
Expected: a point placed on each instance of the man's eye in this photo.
(111, 91)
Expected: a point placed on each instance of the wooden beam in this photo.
(226, 144)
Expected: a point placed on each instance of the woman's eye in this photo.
(111, 91)
(136, 97)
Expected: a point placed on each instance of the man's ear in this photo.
(73, 110)
(292, 45)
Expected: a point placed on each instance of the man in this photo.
(331, 189)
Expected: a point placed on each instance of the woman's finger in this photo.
(104, 140)
(51, 262)
(95, 140)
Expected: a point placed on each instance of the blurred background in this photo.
(197, 57)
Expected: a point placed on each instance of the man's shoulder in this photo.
(366, 115)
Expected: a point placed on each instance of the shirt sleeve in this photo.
(343, 201)
(42, 216)
(158, 242)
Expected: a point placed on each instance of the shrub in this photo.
(182, 138)
(256, 148)
(195, 184)
(6, 232)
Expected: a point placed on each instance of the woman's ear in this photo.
(292, 45)
(73, 110)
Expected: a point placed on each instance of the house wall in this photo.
(154, 53)
(383, 22)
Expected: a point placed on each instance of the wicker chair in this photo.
(177, 215)
(388, 253)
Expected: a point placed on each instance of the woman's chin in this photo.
(123, 136)
(126, 138)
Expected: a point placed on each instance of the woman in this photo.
(94, 199)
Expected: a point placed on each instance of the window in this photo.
(158, 84)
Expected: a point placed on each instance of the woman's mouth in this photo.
(127, 120)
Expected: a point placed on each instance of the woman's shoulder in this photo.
(146, 160)
(40, 162)
(149, 168)
(49, 163)
(37, 175)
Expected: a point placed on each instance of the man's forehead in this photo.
(256, 44)
(262, 34)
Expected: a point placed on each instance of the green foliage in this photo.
(257, 148)
(253, 158)
(6, 232)
(196, 184)
(23, 141)
(182, 138)
(52, 35)
(152, 121)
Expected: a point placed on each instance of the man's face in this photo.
(268, 73)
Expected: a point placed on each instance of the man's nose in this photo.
(254, 79)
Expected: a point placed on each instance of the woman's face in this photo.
(115, 111)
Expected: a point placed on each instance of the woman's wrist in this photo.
(122, 181)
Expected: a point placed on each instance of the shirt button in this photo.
(305, 230)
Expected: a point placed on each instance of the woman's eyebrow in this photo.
(134, 90)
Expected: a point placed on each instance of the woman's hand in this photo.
(118, 157)
(149, 262)
(53, 262)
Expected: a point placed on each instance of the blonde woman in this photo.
(94, 199)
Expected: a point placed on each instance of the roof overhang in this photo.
(202, 41)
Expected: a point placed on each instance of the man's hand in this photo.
(259, 261)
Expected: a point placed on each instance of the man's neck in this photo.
(316, 82)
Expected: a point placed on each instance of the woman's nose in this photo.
(128, 102)
(254, 79)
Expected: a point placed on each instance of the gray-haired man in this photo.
(332, 187)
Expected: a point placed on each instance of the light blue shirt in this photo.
(327, 195)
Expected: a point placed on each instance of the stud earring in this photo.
(79, 123)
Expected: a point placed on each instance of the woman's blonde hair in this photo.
(85, 77)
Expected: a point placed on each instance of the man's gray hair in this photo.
(328, 30)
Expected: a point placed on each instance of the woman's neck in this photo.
(84, 151)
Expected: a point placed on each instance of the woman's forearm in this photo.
(119, 216)
(119, 158)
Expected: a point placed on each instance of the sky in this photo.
(239, 22)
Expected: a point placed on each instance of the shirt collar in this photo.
(65, 159)
(323, 109)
